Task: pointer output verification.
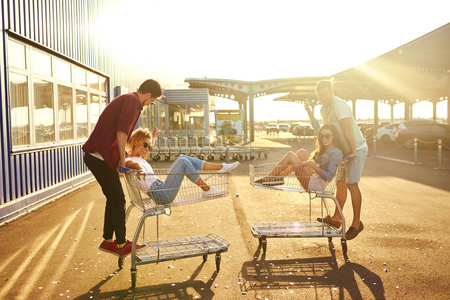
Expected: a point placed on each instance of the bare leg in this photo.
(291, 160)
(341, 196)
(211, 167)
(302, 154)
(202, 184)
(355, 193)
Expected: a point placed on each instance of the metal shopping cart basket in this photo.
(178, 248)
(308, 229)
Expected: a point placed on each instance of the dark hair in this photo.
(325, 84)
(151, 86)
(320, 147)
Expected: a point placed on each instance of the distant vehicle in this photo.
(303, 129)
(272, 127)
(291, 128)
(425, 131)
(284, 127)
(386, 134)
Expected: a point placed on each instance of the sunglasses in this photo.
(325, 136)
(146, 145)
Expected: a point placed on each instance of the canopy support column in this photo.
(251, 113)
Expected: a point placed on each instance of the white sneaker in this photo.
(213, 192)
(228, 167)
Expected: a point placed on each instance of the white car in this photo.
(386, 134)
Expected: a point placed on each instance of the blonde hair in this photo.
(138, 136)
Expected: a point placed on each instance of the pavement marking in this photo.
(45, 258)
(63, 266)
(25, 264)
(397, 160)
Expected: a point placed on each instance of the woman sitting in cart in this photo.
(139, 146)
(315, 171)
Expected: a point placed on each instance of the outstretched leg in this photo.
(291, 160)
(302, 154)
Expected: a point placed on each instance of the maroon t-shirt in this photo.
(119, 115)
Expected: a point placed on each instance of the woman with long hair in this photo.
(313, 171)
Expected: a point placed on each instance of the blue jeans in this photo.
(165, 192)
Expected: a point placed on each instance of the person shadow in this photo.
(172, 290)
(321, 273)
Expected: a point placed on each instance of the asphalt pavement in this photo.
(403, 252)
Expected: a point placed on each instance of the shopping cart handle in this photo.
(124, 169)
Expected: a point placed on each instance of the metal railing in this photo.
(415, 143)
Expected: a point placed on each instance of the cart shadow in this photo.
(161, 291)
(320, 273)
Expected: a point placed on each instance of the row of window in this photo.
(52, 101)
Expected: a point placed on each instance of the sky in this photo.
(255, 40)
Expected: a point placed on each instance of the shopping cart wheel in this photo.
(218, 258)
(205, 257)
(241, 156)
(210, 157)
(167, 157)
(344, 245)
(120, 263)
(222, 157)
(265, 155)
(263, 243)
(156, 157)
(133, 277)
(252, 157)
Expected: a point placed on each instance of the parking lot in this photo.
(402, 253)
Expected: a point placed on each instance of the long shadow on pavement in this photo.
(161, 291)
(320, 273)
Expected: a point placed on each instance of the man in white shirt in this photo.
(335, 111)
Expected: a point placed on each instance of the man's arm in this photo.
(348, 133)
(121, 142)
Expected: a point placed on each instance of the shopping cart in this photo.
(178, 248)
(308, 229)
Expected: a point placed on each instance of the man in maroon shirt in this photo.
(105, 153)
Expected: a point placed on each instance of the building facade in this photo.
(56, 77)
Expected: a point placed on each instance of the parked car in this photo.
(425, 131)
(272, 127)
(303, 129)
(386, 134)
(284, 127)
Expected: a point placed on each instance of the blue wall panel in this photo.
(66, 29)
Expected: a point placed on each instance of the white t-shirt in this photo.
(342, 110)
(144, 185)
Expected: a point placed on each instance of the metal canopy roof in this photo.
(419, 69)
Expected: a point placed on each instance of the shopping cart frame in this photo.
(169, 249)
(310, 229)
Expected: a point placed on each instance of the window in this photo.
(52, 101)
(16, 55)
(42, 63)
(195, 116)
(63, 71)
(437, 129)
(65, 113)
(44, 121)
(20, 124)
(82, 114)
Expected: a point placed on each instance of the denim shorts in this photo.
(351, 172)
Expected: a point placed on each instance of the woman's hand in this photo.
(139, 173)
(156, 131)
